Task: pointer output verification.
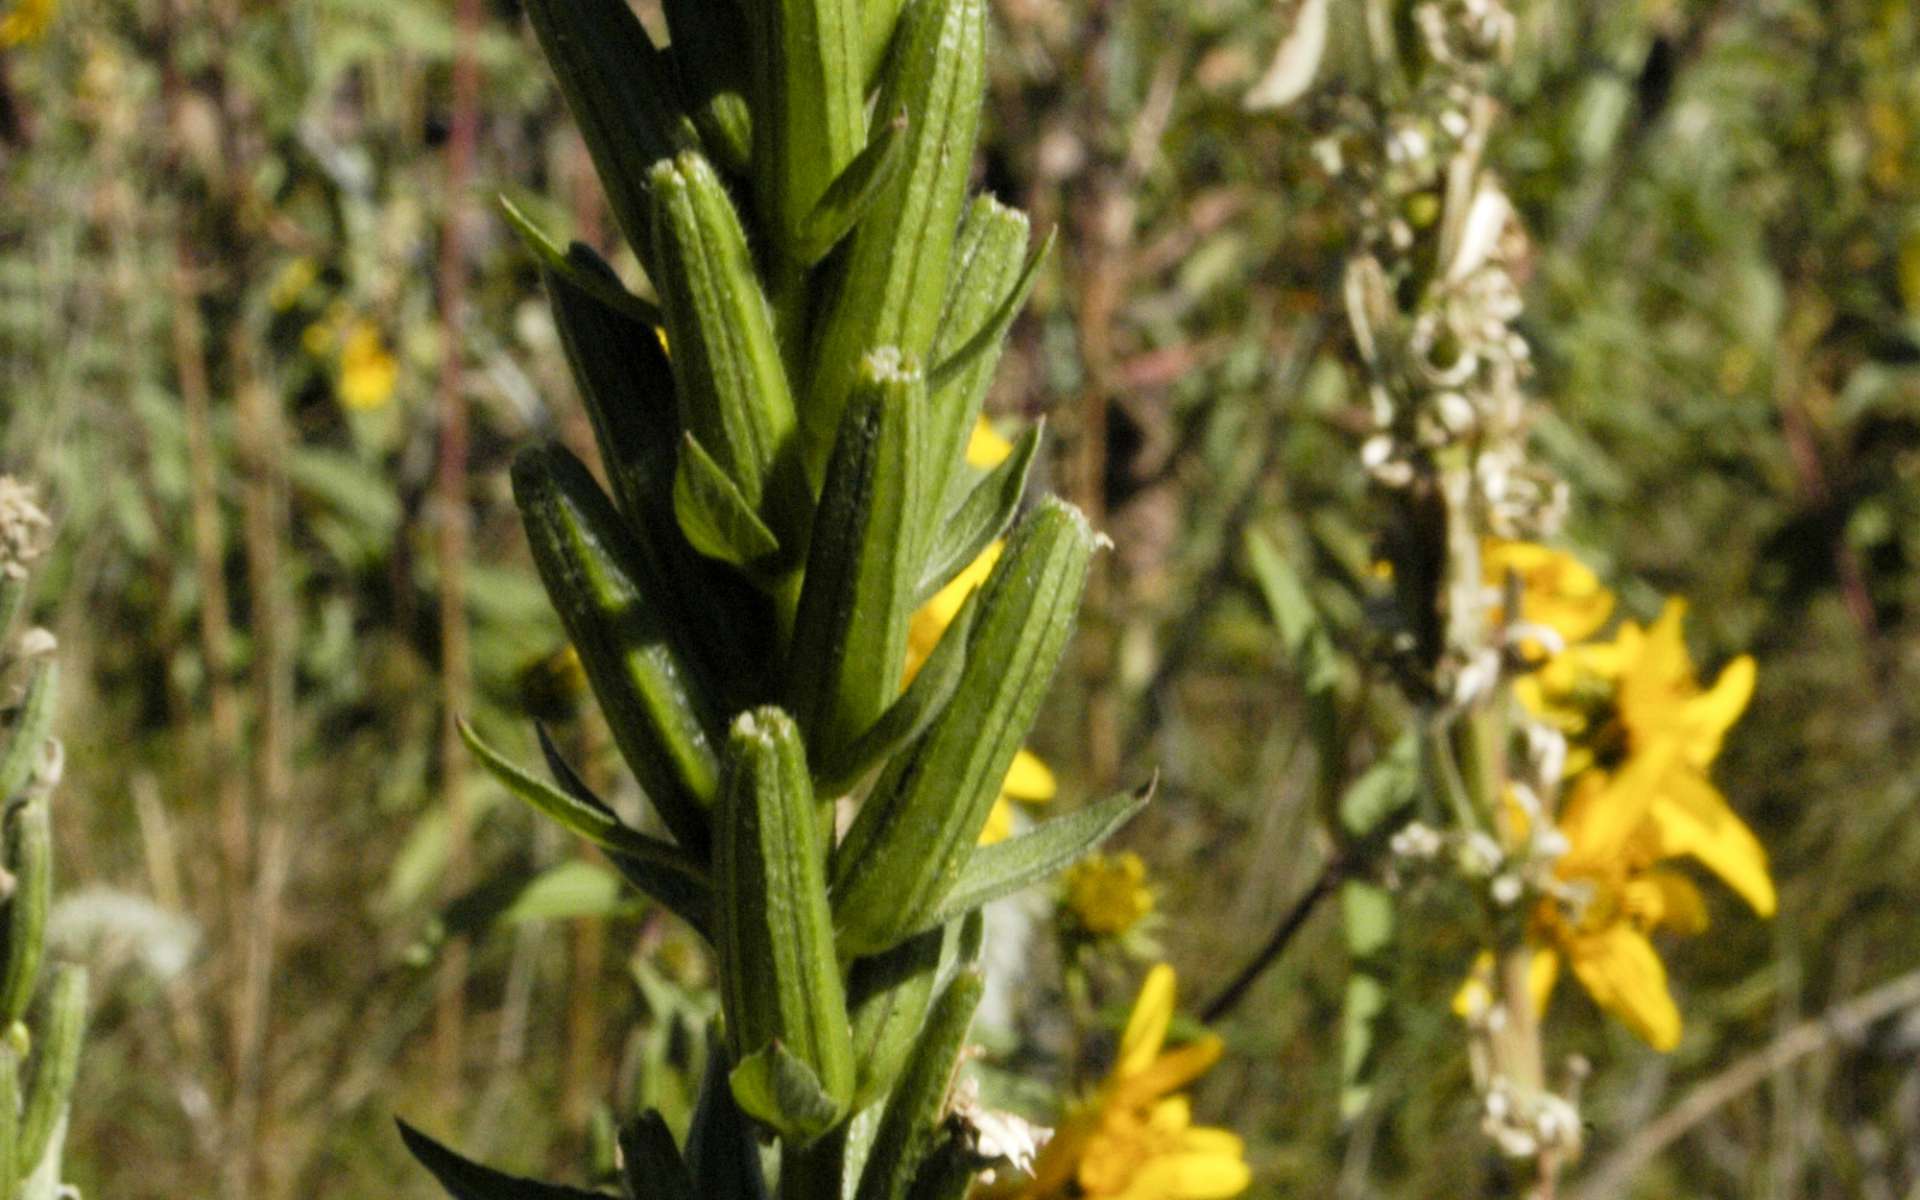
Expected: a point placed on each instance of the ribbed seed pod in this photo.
(29, 857)
(810, 105)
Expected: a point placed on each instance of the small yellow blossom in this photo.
(1557, 590)
(1108, 895)
(23, 21)
(367, 369)
(1133, 1139)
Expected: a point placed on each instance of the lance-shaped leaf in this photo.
(465, 1179)
(986, 264)
(717, 519)
(1006, 867)
(663, 871)
(914, 1110)
(30, 724)
(714, 75)
(894, 275)
(850, 196)
(620, 90)
(809, 106)
(887, 998)
(29, 859)
(56, 1065)
(773, 931)
(1366, 916)
(983, 514)
(850, 638)
(908, 717)
(581, 265)
(722, 1151)
(652, 1168)
(916, 830)
(650, 686)
(731, 386)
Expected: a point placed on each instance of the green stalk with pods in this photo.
(782, 414)
(39, 1044)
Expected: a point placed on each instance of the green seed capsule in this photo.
(850, 638)
(894, 277)
(56, 1066)
(887, 996)
(29, 857)
(917, 829)
(780, 981)
(732, 388)
(651, 687)
(986, 262)
(912, 1116)
(810, 107)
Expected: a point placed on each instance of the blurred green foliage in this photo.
(1725, 312)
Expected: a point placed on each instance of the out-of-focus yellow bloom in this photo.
(1557, 590)
(24, 21)
(1133, 1139)
(1108, 895)
(293, 282)
(367, 369)
(1028, 779)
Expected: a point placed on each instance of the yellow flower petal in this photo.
(1665, 900)
(933, 617)
(1147, 1025)
(999, 826)
(1029, 780)
(1620, 970)
(1174, 1069)
(985, 448)
(1690, 816)
(1189, 1177)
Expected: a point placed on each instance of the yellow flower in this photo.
(1133, 1139)
(1557, 590)
(25, 21)
(367, 370)
(1028, 779)
(1108, 896)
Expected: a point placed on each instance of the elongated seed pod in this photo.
(29, 857)
(9, 1121)
(780, 980)
(651, 687)
(894, 274)
(887, 998)
(986, 262)
(731, 385)
(850, 638)
(915, 831)
(56, 1066)
(29, 732)
(810, 108)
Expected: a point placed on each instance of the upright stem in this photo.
(452, 518)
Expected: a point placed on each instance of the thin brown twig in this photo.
(1842, 1022)
(1291, 922)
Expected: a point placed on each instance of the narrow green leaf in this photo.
(568, 891)
(730, 382)
(982, 515)
(30, 725)
(1368, 919)
(916, 830)
(1006, 867)
(912, 1115)
(780, 980)
(1385, 792)
(620, 90)
(809, 105)
(879, 19)
(581, 266)
(908, 717)
(851, 196)
(893, 277)
(1302, 630)
(653, 1168)
(56, 1066)
(29, 859)
(465, 1179)
(664, 871)
(987, 262)
(887, 998)
(722, 1151)
(850, 636)
(652, 688)
(714, 514)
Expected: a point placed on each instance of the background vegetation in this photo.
(225, 279)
